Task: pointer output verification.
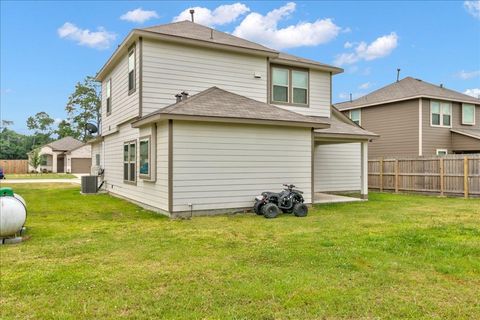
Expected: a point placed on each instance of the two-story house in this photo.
(197, 120)
(417, 118)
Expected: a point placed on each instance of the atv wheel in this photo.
(300, 210)
(270, 210)
(257, 207)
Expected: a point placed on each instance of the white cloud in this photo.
(264, 29)
(475, 92)
(348, 45)
(139, 15)
(465, 75)
(221, 15)
(473, 8)
(379, 48)
(101, 39)
(364, 86)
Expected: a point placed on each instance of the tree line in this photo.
(83, 106)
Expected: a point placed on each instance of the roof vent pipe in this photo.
(350, 97)
(178, 96)
(184, 95)
(441, 85)
(191, 13)
(398, 74)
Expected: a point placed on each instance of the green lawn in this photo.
(93, 257)
(40, 176)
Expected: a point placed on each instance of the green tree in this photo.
(35, 159)
(14, 145)
(65, 130)
(42, 125)
(83, 106)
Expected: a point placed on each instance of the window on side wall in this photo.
(441, 114)
(355, 116)
(129, 161)
(144, 154)
(109, 96)
(468, 114)
(97, 159)
(442, 152)
(289, 86)
(131, 70)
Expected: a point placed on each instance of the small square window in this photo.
(468, 114)
(355, 116)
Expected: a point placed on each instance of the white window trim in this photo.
(131, 52)
(441, 150)
(359, 115)
(474, 114)
(289, 86)
(441, 115)
(147, 176)
(108, 94)
(129, 162)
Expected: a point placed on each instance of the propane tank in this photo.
(13, 213)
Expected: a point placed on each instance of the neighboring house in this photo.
(253, 118)
(67, 155)
(416, 118)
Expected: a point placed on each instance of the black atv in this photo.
(271, 204)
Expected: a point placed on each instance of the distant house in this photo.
(253, 118)
(67, 155)
(414, 117)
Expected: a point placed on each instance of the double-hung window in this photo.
(441, 114)
(131, 70)
(468, 114)
(129, 161)
(109, 96)
(355, 116)
(144, 154)
(289, 86)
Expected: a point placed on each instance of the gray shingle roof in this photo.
(215, 102)
(341, 125)
(190, 30)
(292, 58)
(65, 144)
(473, 133)
(406, 88)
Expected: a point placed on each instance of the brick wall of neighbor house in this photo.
(170, 68)
(124, 105)
(441, 138)
(220, 166)
(337, 167)
(149, 193)
(397, 125)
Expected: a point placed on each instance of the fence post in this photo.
(396, 175)
(465, 177)
(381, 174)
(442, 176)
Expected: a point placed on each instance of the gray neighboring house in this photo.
(66, 155)
(253, 118)
(417, 118)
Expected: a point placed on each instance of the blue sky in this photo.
(46, 49)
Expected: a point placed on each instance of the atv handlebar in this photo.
(289, 186)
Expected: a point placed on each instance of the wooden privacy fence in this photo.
(14, 166)
(452, 174)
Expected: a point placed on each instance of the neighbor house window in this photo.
(144, 151)
(129, 161)
(97, 159)
(109, 96)
(441, 114)
(468, 114)
(442, 152)
(289, 86)
(355, 116)
(131, 70)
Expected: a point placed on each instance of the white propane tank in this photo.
(13, 214)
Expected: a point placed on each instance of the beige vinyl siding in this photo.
(220, 166)
(124, 106)
(464, 143)
(397, 125)
(337, 167)
(96, 149)
(171, 68)
(319, 96)
(152, 194)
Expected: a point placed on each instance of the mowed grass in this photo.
(40, 176)
(94, 257)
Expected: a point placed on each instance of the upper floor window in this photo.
(109, 96)
(355, 116)
(289, 86)
(131, 70)
(468, 114)
(441, 114)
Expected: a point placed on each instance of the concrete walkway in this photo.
(76, 180)
(332, 198)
